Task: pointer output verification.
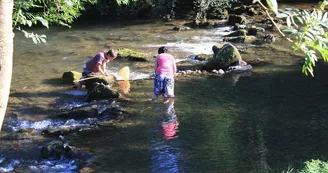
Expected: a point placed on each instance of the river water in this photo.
(263, 122)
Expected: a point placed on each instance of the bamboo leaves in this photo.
(308, 29)
(120, 2)
(273, 5)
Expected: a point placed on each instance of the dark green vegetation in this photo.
(169, 9)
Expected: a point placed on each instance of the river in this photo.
(261, 122)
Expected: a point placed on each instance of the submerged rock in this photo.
(242, 39)
(21, 134)
(59, 149)
(239, 32)
(239, 68)
(202, 57)
(55, 149)
(87, 170)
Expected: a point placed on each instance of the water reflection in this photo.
(236, 76)
(165, 149)
(169, 123)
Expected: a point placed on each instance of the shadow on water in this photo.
(263, 123)
(57, 82)
(122, 148)
(41, 104)
(286, 118)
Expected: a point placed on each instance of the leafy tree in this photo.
(18, 13)
(202, 7)
(306, 31)
(62, 12)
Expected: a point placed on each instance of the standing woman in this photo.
(165, 69)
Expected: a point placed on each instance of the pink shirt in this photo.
(165, 64)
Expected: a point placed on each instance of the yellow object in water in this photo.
(124, 86)
(124, 73)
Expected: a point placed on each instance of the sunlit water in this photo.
(262, 122)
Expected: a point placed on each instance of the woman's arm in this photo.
(174, 67)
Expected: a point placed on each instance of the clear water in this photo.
(261, 122)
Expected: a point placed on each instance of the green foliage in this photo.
(307, 29)
(315, 166)
(273, 5)
(202, 7)
(62, 12)
(125, 2)
(35, 37)
(46, 12)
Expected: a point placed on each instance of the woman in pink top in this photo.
(165, 69)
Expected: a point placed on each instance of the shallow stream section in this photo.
(260, 122)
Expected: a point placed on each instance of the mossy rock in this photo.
(71, 76)
(242, 39)
(224, 55)
(233, 19)
(132, 55)
(239, 32)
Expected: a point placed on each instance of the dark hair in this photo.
(111, 53)
(162, 49)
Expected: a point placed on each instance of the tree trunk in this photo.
(6, 54)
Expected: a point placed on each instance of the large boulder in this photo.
(234, 19)
(243, 39)
(100, 91)
(91, 78)
(249, 10)
(224, 55)
(239, 32)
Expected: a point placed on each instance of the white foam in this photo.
(63, 165)
(10, 166)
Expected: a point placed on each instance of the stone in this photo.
(202, 57)
(100, 91)
(233, 19)
(87, 170)
(132, 55)
(71, 76)
(221, 72)
(239, 32)
(242, 39)
(224, 56)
